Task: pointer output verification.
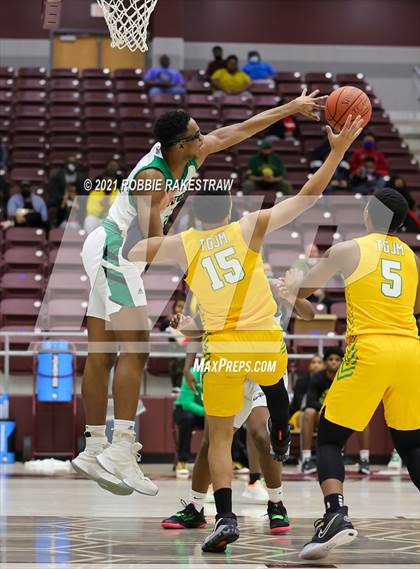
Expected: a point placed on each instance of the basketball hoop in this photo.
(127, 21)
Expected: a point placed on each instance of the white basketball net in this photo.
(127, 21)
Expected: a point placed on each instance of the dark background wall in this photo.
(361, 22)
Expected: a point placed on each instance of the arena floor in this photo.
(61, 521)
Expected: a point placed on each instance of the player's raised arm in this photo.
(259, 223)
(228, 136)
(149, 202)
(164, 249)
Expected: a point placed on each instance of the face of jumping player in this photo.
(332, 363)
(316, 364)
(191, 141)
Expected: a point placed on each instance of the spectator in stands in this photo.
(231, 80)
(4, 197)
(316, 364)
(341, 178)
(99, 202)
(312, 253)
(68, 214)
(164, 79)
(188, 416)
(68, 174)
(217, 63)
(285, 129)
(3, 157)
(257, 69)
(369, 149)
(26, 209)
(318, 386)
(412, 221)
(266, 171)
(176, 365)
(367, 180)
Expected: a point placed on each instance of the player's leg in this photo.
(407, 444)
(186, 423)
(192, 515)
(98, 365)
(335, 528)
(310, 420)
(271, 469)
(220, 461)
(131, 333)
(255, 492)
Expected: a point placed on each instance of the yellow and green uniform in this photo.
(237, 308)
(382, 359)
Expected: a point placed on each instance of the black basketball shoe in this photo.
(225, 531)
(279, 520)
(188, 518)
(280, 442)
(333, 530)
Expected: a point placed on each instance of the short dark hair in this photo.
(333, 351)
(251, 53)
(235, 57)
(211, 206)
(379, 215)
(369, 133)
(171, 125)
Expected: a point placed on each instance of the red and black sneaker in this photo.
(279, 520)
(188, 518)
(279, 441)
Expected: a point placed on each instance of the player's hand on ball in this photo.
(348, 134)
(308, 105)
(179, 321)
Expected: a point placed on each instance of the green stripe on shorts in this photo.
(120, 293)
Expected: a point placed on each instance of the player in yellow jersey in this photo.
(224, 269)
(382, 359)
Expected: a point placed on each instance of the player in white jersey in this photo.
(117, 310)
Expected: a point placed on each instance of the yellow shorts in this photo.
(374, 369)
(232, 357)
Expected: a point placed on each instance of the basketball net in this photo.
(127, 21)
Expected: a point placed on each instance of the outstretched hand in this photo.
(348, 134)
(308, 105)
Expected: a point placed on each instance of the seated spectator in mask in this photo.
(266, 171)
(26, 209)
(341, 177)
(366, 179)
(164, 79)
(68, 215)
(230, 80)
(412, 221)
(369, 149)
(257, 69)
(217, 63)
(68, 174)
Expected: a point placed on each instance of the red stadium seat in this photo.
(290, 89)
(98, 98)
(28, 158)
(31, 84)
(102, 143)
(130, 86)
(30, 97)
(25, 111)
(96, 72)
(262, 102)
(32, 72)
(100, 112)
(19, 312)
(282, 259)
(38, 175)
(67, 141)
(232, 115)
(6, 97)
(339, 309)
(97, 84)
(66, 259)
(132, 99)
(161, 284)
(294, 162)
(135, 126)
(235, 101)
(59, 72)
(7, 72)
(73, 238)
(323, 88)
(101, 126)
(22, 285)
(6, 84)
(167, 100)
(65, 126)
(200, 100)
(65, 111)
(65, 97)
(58, 157)
(318, 77)
(350, 78)
(205, 113)
(263, 88)
(64, 84)
(65, 314)
(197, 86)
(137, 142)
(412, 181)
(34, 141)
(100, 158)
(402, 164)
(412, 239)
(190, 74)
(18, 259)
(284, 238)
(6, 111)
(68, 285)
(128, 73)
(288, 77)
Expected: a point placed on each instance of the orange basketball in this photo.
(344, 101)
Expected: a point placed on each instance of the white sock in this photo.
(95, 436)
(197, 498)
(275, 495)
(364, 454)
(306, 454)
(124, 433)
(124, 425)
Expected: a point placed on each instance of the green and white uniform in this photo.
(115, 281)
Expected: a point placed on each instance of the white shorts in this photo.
(253, 397)
(115, 282)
